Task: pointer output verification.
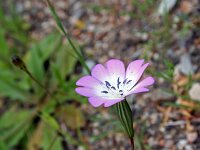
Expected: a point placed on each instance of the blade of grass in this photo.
(59, 24)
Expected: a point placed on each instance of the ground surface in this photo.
(165, 118)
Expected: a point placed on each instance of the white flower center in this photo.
(116, 88)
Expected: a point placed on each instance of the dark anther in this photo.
(104, 92)
(107, 84)
(121, 94)
(120, 91)
(118, 83)
(124, 81)
(128, 81)
(113, 88)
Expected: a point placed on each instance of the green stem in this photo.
(18, 62)
(52, 142)
(34, 79)
(59, 24)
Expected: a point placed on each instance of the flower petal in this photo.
(88, 92)
(87, 81)
(140, 90)
(116, 72)
(139, 74)
(99, 72)
(96, 101)
(110, 102)
(133, 68)
(135, 71)
(115, 68)
(98, 91)
(141, 86)
(112, 74)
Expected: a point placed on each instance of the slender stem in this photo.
(132, 143)
(52, 142)
(34, 79)
(61, 27)
(18, 62)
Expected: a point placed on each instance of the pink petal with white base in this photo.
(140, 87)
(140, 73)
(96, 101)
(99, 72)
(135, 74)
(110, 83)
(88, 92)
(88, 81)
(133, 68)
(109, 103)
(140, 90)
(115, 68)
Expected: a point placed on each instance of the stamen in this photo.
(118, 83)
(120, 91)
(107, 84)
(105, 92)
(124, 81)
(113, 88)
(128, 81)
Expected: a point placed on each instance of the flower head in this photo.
(110, 83)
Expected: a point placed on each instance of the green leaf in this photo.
(57, 75)
(40, 52)
(50, 120)
(63, 65)
(13, 130)
(9, 87)
(13, 23)
(17, 132)
(35, 63)
(4, 49)
(50, 139)
(49, 44)
(65, 61)
(3, 146)
(5, 120)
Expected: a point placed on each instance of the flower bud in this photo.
(16, 60)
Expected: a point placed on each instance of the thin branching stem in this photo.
(59, 24)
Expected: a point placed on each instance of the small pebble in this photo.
(192, 136)
(181, 144)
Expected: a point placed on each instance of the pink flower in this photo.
(110, 83)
